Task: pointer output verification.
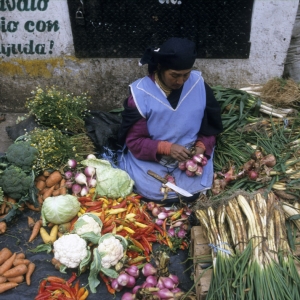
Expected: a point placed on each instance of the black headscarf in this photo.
(175, 53)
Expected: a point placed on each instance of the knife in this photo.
(171, 185)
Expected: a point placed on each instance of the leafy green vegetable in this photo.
(14, 182)
(111, 182)
(22, 154)
(59, 209)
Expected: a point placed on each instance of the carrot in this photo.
(3, 207)
(56, 192)
(21, 261)
(16, 271)
(40, 185)
(57, 186)
(20, 255)
(3, 279)
(32, 207)
(17, 279)
(5, 254)
(7, 286)
(40, 199)
(3, 227)
(31, 268)
(40, 177)
(56, 263)
(48, 193)
(43, 191)
(35, 230)
(30, 222)
(7, 264)
(46, 173)
(53, 179)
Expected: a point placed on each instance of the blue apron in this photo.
(180, 125)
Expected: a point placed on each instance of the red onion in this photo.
(181, 233)
(170, 178)
(174, 278)
(171, 232)
(162, 215)
(69, 184)
(168, 282)
(197, 158)
(89, 171)
(128, 296)
(191, 165)
(204, 161)
(123, 279)
(148, 270)
(131, 282)
(181, 165)
(177, 224)
(68, 174)
(152, 280)
(151, 205)
(155, 211)
(269, 160)
(185, 226)
(80, 178)
(199, 171)
(159, 222)
(115, 285)
(133, 271)
(91, 156)
(165, 293)
(76, 188)
(176, 290)
(160, 284)
(147, 285)
(84, 191)
(189, 173)
(253, 175)
(72, 163)
(136, 288)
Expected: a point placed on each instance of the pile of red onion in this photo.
(193, 166)
(161, 287)
(80, 179)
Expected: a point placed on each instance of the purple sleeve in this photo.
(209, 142)
(138, 140)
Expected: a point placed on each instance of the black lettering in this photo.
(32, 7)
(28, 25)
(29, 50)
(11, 7)
(13, 49)
(42, 5)
(5, 51)
(2, 5)
(51, 25)
(3, 25)
(40, 26)
(20, 50)
(23, 5)
(40, 49)
(12, 26)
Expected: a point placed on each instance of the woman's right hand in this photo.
(179, 152)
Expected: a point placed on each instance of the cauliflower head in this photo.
(70, 250)
(89, 225)
(111, 251)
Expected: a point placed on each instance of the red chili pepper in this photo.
(123, 233)
(55, 279)
(136, 243)
(133, 199)
(75, 288)
(108, 228)
(107, 283)
(43, 296)
(164, 227)
(109, 221)
(93, 203)
(84, 199)
(146, 242)
(159, 229)
(42, 286)
(122, 204)
(71, 279)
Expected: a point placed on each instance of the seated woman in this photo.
(169, 112)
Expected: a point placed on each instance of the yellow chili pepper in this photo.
(128, 229)
(141, 225)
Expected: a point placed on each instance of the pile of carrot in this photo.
(7, 205)
(14, 269)
(50, 184)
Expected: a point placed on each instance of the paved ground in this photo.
(10, 120)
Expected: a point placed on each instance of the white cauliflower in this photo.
(70, 250)
(90, 225)
(111, 251)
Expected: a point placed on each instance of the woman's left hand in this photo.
(179, 152)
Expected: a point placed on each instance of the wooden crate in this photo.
(200, 247)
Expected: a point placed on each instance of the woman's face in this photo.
(174, 79)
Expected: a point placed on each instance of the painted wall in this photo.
(36, 49)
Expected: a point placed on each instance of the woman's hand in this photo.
(199, 150)
(179, 152)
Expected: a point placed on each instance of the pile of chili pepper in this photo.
(57, 288)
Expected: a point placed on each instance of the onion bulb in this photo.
(148, 270)
(191, 165)
(72, 163)
(181, 165)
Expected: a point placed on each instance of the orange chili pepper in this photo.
(107, 283)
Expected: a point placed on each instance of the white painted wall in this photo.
(107, 79)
